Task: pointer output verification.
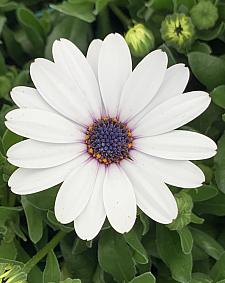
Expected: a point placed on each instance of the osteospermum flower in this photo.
(108, 133)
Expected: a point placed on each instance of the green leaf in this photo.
(220, 164)
(170, 251)
(218, 96)
(186, 240)
(10, 139)
(201, 47)
(218, 271)
(52, 271)
(203, 193)
(34, 220)
(81, 10)
(114, 256)
(71, 28)
(200, 278)
(44, 200)
(33, 30)
(207, 243)
(2, 22)
(69, 280)
(215, 206)
(132, 239)
(209, 70)
(144, 278)
(53, 221)
(6, 86)
(14, 49)
(211, 34)
(100, 5)
(8, 250)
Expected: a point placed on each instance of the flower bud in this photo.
(11, 272)
(204, 15)
(177, 31)
(140, 40)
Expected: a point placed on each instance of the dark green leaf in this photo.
(34, 220)
(218, 271)
(114, 256)
(81, 10)
(133, 241)
(209, 70)
(203, 193)
(218, 96)
(10, 139)
(207, 243)
(170, 251)
(220, 164)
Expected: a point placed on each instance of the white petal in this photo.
(177, 173)
(75, 192)
(60, 92)
(29, 181)
(114, 68)
(173, 113)
(28, 97)
(119, 199)
(89, 222)
(42, 126)
(74, 64)
(153, 197)
(142, 84)
(35, 154)
(93, 54)
(174, 83)
(178, 145)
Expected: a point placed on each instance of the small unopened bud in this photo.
(204, 15)
(140, 40)
(178, 31)
(10, 272)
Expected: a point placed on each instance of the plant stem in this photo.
(43, 252)
(123, 18)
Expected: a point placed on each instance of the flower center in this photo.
(108, 140)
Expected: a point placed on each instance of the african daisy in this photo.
(107, 133)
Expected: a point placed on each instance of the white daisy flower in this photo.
(107, 133)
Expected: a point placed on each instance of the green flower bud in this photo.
(140, 40)
(204, 15)
(11, 272)
(178, 31)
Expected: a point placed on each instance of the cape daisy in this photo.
(108, 133)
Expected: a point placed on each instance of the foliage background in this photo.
(192, 249)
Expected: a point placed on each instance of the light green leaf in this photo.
(52, 271)
(186, 240)
(114, 256)
(200, 278)
(185, 204)
(144, 278)
(170, 251)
